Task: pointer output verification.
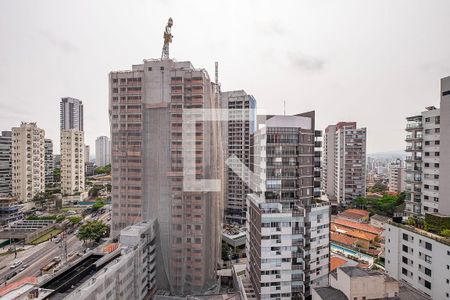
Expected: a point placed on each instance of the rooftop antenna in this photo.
(167, 39)
(284, 107)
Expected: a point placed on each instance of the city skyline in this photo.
(296, 56)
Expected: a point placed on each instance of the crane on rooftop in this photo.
(167, 39)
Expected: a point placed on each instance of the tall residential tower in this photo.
(236, 136)
(287, 229)
(148, 106)
(344, 162)
(28, 161)
(72, 146)
(102, 151)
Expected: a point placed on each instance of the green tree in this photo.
(57, 174)
(40, 199)
(103, 170)
(74, 219)
(97, 205)
(93, 231)
(411, 221)
(378, 187)
(445, 232)
(95, 190)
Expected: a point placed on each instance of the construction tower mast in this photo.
(167, 39)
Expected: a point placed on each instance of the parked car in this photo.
(57, 240)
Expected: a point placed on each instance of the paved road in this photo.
(40, 255)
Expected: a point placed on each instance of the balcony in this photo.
(411, 137)
(414, 126)
(413, 158)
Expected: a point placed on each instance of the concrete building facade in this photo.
(287, 230)
(236, 139)
(102, 151)
(10, 210)
(419, 258)
(72, 146)
(428, 148)
(344, 162)
(444, 169)
(72, 161)
(352, 282)
(397, 174)
(146, 113)
(49, 162)
(28, 161)
(5, 162)
(71, 114)
(87, 153)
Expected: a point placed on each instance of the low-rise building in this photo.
(355, 215)
(89, 168)
(130, 276)
(351, 282)
(419, 258)
(9, 209)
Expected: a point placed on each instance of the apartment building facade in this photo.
(28, 161)
(5, 162)
(102, 151)
(428, 148)
(418, 258)
(147, 105)
(344, 162)
(72, 146)
(287, 230)
(72, 161)
(71, 113)
(131, 275)
(49, 162)
(236, 135)
(397, 177)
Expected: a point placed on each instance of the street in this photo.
(36, 257)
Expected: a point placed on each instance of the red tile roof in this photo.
(343, 239)
(359, 226)
(336, 262)
(355, 214)
(353, 233)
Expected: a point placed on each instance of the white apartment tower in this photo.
(28, 161)
(423, 161)
(236, 139)
(344, 162)
(397, 176)
(427, 159)
(416, 256)
(287, 229)
(147, 105)
(72, 146)
(72, 161)
(102, 151)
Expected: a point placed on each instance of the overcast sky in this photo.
(373, 62)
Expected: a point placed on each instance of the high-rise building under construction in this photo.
(146, 106)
